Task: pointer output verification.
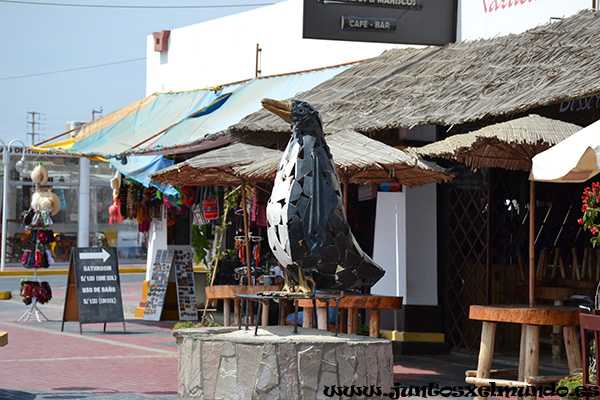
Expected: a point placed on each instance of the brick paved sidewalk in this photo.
(42, 362)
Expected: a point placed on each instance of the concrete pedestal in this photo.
(227, 363)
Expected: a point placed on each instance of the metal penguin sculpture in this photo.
(307, 227)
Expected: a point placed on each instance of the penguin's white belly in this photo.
(277, 207)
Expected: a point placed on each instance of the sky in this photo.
(38, 39)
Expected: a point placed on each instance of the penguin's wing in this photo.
(322, 199)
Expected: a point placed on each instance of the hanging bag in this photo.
(198, 208)
(210, 206)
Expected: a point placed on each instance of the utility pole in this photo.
(94, 112)
(33, 123)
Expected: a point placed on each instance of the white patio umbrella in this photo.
(575, 159)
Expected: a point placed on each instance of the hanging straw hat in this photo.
(39, 175)
(48, 201)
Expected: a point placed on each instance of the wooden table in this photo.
(352, 303)
(228, 292)
(530, 319)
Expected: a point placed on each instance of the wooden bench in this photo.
(530, 318)
(3, 338)
(350, 304)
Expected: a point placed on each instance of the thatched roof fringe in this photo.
(509, 145)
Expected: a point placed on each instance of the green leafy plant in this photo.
(230, 200)
(571, 382)
(187, 324)
(200, 243)
(208, 321)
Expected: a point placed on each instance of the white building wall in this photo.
(484, 19)
(406, 244)
(389, 248)
(224, 50)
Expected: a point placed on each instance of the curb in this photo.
(27, 272)
(60, 301)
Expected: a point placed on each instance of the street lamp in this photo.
(6, 161)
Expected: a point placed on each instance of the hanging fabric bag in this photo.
(210, 206)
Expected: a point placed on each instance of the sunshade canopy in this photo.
(575, 159)
(509, 145)
(362, 160)
(216, 167)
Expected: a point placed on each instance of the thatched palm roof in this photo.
(217, 167)
(362, 160)
(509, 145)
(458, 83)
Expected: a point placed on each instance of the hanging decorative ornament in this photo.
(115, 213)
(115, 184)
(188, 193)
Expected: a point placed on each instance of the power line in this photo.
(128, 6)
(72, 69)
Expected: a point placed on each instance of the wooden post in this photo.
(346, 182)
(307, 317)
(556, 332)
(486, 351)
(374, 323)
(532, 353)
(226, 312)
(322, 318)
(264, 317)
(572, 348)
(236, 310)
(522, 346)
(283, 310)
(353, 321)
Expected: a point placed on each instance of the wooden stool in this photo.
(352, 303)
(531, 319)
(228, 292)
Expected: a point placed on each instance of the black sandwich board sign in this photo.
(93, 287)
(165, 264)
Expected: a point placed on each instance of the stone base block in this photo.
(227, 363)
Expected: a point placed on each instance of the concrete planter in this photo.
(227, 363)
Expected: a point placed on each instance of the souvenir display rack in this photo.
(36, 222)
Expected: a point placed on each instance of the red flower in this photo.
(584, 208)
(580, 220)
(594, 231)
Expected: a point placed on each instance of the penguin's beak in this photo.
(281, 108)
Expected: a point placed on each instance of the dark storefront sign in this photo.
(430, 22)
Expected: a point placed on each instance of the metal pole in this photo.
(6, 160)
(532, 244)
(4, 197)
(247, 237)
(83, 236)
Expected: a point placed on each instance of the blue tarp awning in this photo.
(175, 120)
